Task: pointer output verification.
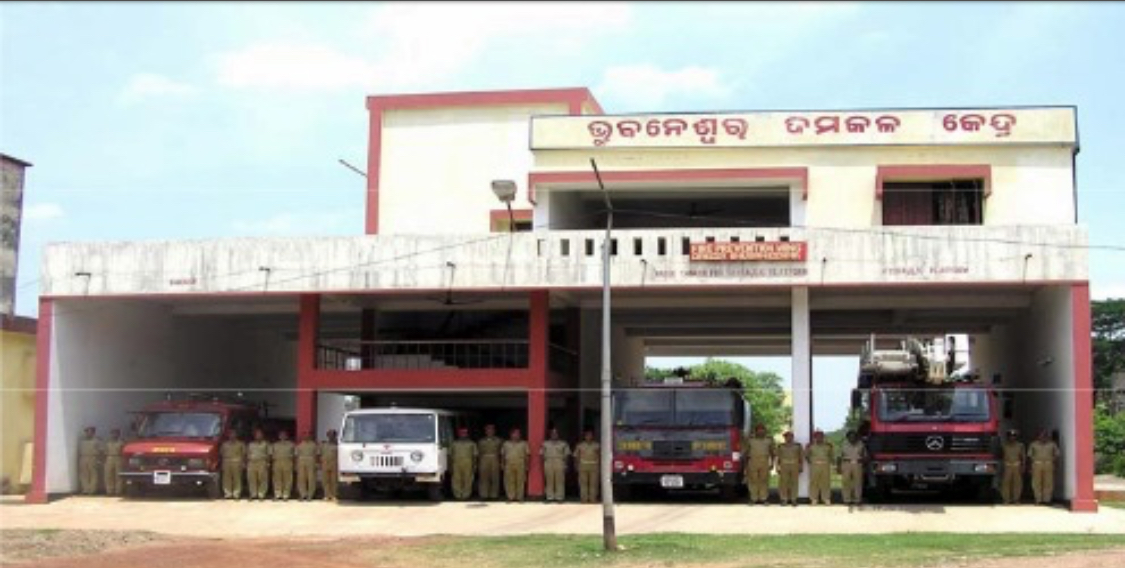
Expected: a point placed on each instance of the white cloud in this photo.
(301, 224)
(646, 86)
(42, 212)
(145, 86)
(304, 66)
(1106, 291)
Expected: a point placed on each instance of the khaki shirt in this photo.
(463, 452)
(329, 455)
(113, 449)
(1014, 453)
(789, 454)
(1043, 451)
(760, 449)
(282, 450)
(555, 452)
(488, 447)
(233, 451)
(306, 451)
(90, 448)
(515, 453)
(258, 451)
(820, 454)
(850, 452)
(588, 453)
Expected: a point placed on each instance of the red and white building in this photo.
(793, 233)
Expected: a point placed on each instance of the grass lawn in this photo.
(1113, 504)
(836, 551)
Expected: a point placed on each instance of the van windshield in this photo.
(390, 428)
(180, 424)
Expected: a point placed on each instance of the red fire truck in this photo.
(678, 435)
(177, 442)
(926, 426)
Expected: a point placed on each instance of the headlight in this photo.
(983, 468)
(196, 463)
(134, 462)
(416, 456)
(887, 468)
(357, 456)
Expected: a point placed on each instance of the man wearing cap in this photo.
(1042, 454)
(233, 454)
(820, 455)
(1014, 455)
(515, 454)
(488, 464)
(89, 456)
(329, 465)
(588, 453)
(554, 452)
(113, 447)
(307, 452)
(760, 454)
(789, 468)
(463, 455)
(852, 456)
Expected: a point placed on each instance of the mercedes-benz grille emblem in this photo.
(935, 443)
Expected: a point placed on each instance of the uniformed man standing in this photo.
(89, 456)
(760, 454)
(515, 454)
(1042, 454)
(555, 453)
(113, 448)
(282, 452)
(853, 454)
(306, 467)
(588, 454)
(820, 455)
(329, 465)
(233, 453)
(488, 464)
(463, 455)
(1014, 456)
(789, 468)
(258, 466)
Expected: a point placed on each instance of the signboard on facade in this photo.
(1047, 125)
(774, 251)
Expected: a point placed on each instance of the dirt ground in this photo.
(96, 549)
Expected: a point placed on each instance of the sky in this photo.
(202, 120)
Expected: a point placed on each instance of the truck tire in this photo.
(436, 492)
(352, 492)
(622, 492)
(215, 489)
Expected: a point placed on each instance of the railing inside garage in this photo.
(355, 355)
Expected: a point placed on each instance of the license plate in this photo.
(161, 478)
(672, 481)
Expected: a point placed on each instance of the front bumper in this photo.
(176, 478)
(934, 470)
(691, 479)
(389, 479)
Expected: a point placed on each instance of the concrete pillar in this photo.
(308, 328)
(538, 335)
(1083, 442)
(43, 342)
(801, 381)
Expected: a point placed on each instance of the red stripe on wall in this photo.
(1084, 499)
(38, 491)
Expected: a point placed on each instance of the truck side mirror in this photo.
(857, 398)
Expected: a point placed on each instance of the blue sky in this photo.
(195, 120)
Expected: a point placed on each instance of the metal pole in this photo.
(609, 525)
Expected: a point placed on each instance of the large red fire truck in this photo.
(927, 424)
(678, 435)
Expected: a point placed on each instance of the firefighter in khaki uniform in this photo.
(852, 456)
(1042, 454)
(1014, 456)
(233, 452)
(488, 464)
(329, 465)
(306, 467)
(463, 455)
(789, 467)
(555, 452)
(760, 454)
(258, 466)
(588, 453)
(89, 455)
(113, 448)
(282, 452)
(515, 454)
(820, 455)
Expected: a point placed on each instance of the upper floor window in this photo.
(941, 202)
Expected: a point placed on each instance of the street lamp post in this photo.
(609, 525)
(505, 191)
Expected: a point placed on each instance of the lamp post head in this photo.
(504, 189)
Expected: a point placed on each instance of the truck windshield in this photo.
(929, 405)
(676, 407)
(390, 428)
(180, 425)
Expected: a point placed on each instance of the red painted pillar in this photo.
(308, 329)
(1084, 499)
(38, 491)
(538, 322)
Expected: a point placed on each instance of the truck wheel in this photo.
(434, 491)
(622, 492)
(131, 491)
(351, 492)
(729, 492)
(215, 489)
(984, 491)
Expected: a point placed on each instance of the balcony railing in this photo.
(355, 355)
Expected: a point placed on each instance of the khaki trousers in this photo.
(489, 471)
(851, 482)
(112, 468)
(588, 482)
(758, 480)
(306, 478)
(462, 480)
(515, 482)
(232, 479)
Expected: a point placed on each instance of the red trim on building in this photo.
(38, 491)
(539, 322)
(930, 172)
(308, 329)
(574, 98)
(1084, 498)
(801, 175)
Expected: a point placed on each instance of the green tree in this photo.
(1109, 441)
(763, 390)
(1108, 327)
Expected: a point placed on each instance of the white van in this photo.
(390, 449)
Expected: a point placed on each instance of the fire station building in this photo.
(787, 233)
